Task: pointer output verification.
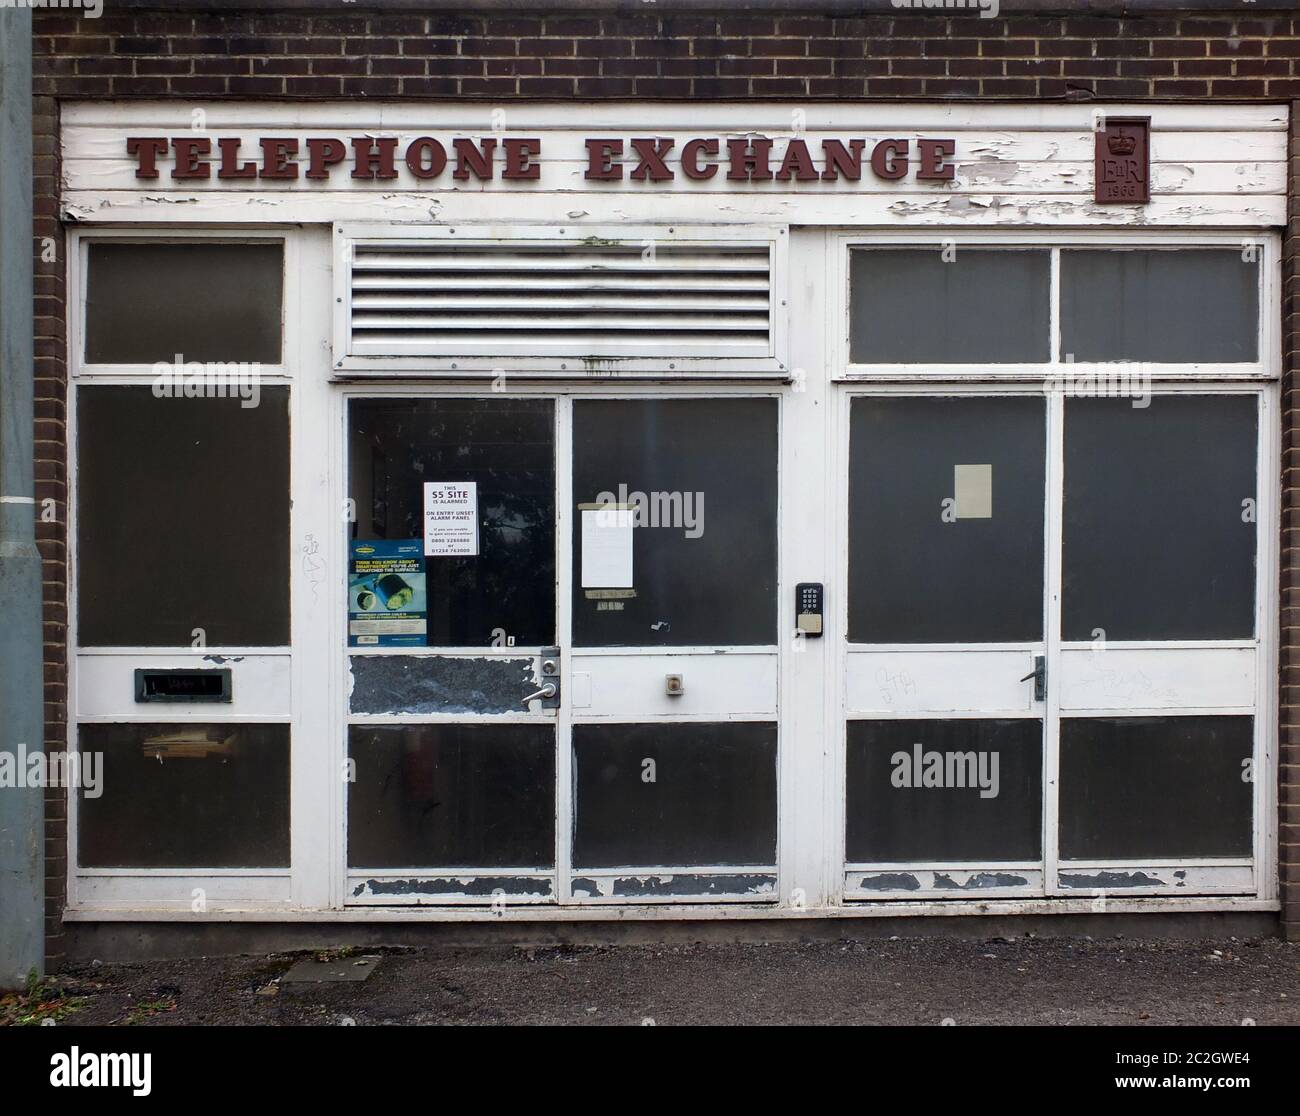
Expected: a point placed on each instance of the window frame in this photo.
(1267, 367)
(1210, 879)
(267, 695)
(79, 243)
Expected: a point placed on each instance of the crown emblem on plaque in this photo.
(1121, 144)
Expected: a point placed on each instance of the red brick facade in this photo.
(1251, 56)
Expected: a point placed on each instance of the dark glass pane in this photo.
(448, 796)
(182, 519)
(1136, 787)
(185, 796)
(910, 306)
(944, 791)
(203, 301)
(1159, 531)
(946, 519)
(674, 794)
(505, 446)
(1195, 305)
(702, 473)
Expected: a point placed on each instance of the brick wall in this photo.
(1289, 660)
(723, 56)
(594, 56)
(51, 483)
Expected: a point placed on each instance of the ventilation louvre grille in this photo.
(580, 299)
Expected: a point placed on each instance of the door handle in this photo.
(547, 691)
(548, 678)
(1039, 675)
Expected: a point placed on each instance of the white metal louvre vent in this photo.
(588, 298)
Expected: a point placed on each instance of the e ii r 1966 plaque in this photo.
(1123, 161)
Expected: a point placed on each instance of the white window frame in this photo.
(1268, 366)
(98, 676)
(1227, 881)
(79, 241)
(561, 901)
(810, 694)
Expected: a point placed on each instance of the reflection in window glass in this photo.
(1159, 518)
(963, 306)
(184, 796)
(696, 563)
(1154, 787)
(446, 796)
(944, 791)
(202, 300)
(946, 500)
(507, 448)
(182, 519)
(1195, 305)
(712, 798)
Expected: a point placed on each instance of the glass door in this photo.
(1160, 670)
(673, 685)
(946, 645)
(1054, 673)
(615, 741)
(453, 668)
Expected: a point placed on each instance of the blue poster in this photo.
(387, 605)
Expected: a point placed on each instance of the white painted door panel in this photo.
(1121, 678)
(940, 682)
(714, 684)
(259, 686)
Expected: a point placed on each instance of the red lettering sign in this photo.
(645, 159)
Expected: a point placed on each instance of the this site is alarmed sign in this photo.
(450, 519)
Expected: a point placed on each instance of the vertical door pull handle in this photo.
(1039, 675)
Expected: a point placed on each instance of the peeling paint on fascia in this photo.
(513, 887)
(163, 199)
(961, 202)
(992, 169)
(223, 659)
(891, 881)
(689, 884)
(977, 881)
(993, 145)
(1111, 879)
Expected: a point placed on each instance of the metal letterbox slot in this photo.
(183, 685)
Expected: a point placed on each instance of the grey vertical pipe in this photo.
(22, 727)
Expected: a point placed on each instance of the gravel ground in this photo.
(903, 981)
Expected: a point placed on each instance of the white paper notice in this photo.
(607, 548)
(973, 488)
(450, 519)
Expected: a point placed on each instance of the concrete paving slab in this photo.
(345, 970)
